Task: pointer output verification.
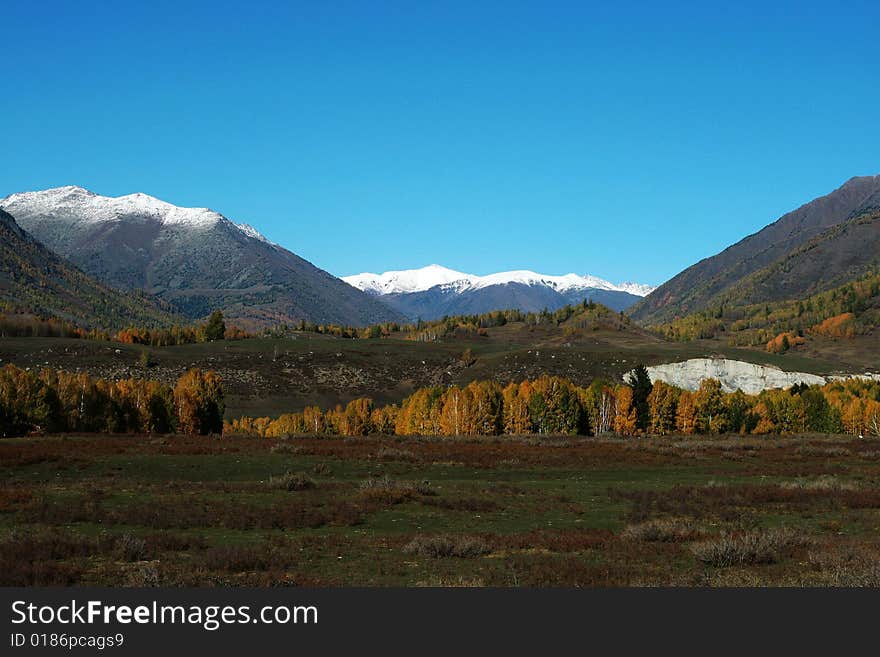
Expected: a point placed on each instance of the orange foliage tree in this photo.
(198, 398)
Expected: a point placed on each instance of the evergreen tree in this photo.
(215, 329)
(641, 386)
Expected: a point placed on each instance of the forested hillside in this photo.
(822, 245)
(36, 281)
(846, 311)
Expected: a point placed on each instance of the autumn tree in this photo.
(601, 406)
(26, 403)
(419, 414)
(357, 419)
(456, 412)
(663, 405)
(198, 397)
(383, 419)
(288, 424)
(709, 407)
(313, 420)
(738, 412)
(487, 411)
(517, 420)
(686, 413)
(625, 416)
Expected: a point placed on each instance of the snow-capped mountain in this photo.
(194, 258)
(434, 291)
(89, 208)
(409, 280)
(419, 280)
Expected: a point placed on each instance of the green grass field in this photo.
(138, 510)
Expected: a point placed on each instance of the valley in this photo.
(368, 433)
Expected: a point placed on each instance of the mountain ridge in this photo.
(424, 278)
(772, 250)
(194, 258)
(435, 291)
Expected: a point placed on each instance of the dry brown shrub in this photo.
(847, 567)
(749, 548)
(291, 481)
(447, 546)
(822, 482)
(394, 454)
(286, 447)
(452, 582)
(384, 490)
(131, 547)
(815, 450)
(666, 530)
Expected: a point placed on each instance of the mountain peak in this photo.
(406, 280)
(90, 207)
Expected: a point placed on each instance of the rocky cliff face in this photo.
(733, 375)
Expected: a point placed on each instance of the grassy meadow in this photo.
(177, 510)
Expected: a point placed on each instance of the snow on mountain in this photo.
(92, 208)
(250, 231)
(639, 289)
(193, 258)
(420, 280)
(409, 280)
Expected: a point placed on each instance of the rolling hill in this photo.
(194, 258)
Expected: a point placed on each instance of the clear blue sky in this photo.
(623, 139)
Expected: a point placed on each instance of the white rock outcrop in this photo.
(733, 375)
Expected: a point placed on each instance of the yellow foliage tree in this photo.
(625, 416)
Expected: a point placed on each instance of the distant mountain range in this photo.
(435, 291)
(821, 245)
(193, 258)
(35, 280)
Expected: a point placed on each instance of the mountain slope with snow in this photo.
(194, 258)
(435, 291)
(34, 280)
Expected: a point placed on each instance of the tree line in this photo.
(58, 401)
(587, 314)
(214, 328)
(554, 405)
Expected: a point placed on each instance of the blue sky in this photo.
(626, 140)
